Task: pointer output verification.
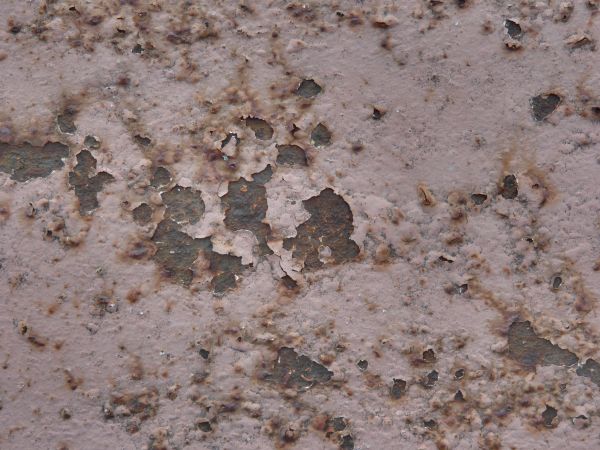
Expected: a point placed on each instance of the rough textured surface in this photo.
(25, 161)
(299, 225)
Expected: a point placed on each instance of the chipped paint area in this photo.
(337, 225)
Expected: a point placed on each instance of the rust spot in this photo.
(142, 404)
(425, 196)
(72, 381)
(330, 225)
(26, 161)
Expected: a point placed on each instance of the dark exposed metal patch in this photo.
(298, 371)
(510, 187)
(330, 225)
(291, 156)
(320, 136)
(85, 184)
(262, 130)
(308, 89)
(246, 207)
(26, 161)
(530, 350)
(177, 251)
(183, 205)
(543, 105)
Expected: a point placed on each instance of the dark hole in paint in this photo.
(398, 388)
(142, 214)
(430, 379)
(91, 142)
(308, 89)
(429, 356)
(142, 140)
(513, 29)
(338, 423)
(543, 105)
(204, 426)
(66, 121)
(548, 415)
(461, 289)
(363, 364)
(320, 136)
(291, 155)
(289, 283)
(556, 282)
(377, 114)
(510, 187)
(347, 443)
(478, 199)
(161, 178)
(262, 129)
(431, 424)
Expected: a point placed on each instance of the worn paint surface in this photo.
(312, 225)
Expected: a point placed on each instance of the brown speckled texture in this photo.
(238, 225)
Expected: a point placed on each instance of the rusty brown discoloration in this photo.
(86, 185)
(25, 161)
(330, 225)
(426, 197)
(142, 404)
